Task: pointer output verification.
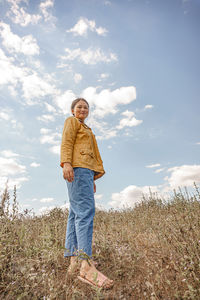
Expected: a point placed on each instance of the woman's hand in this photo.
(95, 187)
(68, 172)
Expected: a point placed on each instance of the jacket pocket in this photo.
(87, 153)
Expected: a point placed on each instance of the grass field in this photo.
(151, 252)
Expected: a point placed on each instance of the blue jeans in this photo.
(81, 214)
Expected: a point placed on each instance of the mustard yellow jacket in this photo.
(79, 147)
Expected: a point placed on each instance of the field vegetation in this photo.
(151, 251)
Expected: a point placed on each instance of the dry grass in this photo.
(151, 252)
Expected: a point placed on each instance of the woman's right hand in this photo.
(68, 172)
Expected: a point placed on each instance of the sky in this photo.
(135, 62)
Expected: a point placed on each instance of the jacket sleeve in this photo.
(70, 130)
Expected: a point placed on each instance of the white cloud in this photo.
(50, 108)
(107, 2)
(9, 166)
(64, 206)
(129, 120)
(13, 43)
(89, 56)
(64, 101)
(153, 166)
(19, 15)
(49, 139)
(46, 118)
(66, 66)
(107, 102)
(9, 153)
(104, 129)
(159, 170)
(11, 169)
(148, 106)
(107, 134)
(45, 130)
(84, 25)
(13, 181)
(77, 77)
(13, 91)
(130, 196)
(102, 103)
(34, 165)
(46, 209)
(4, 115)
(100, 206)
(7, 114)
(47, 200)
(55, 149)
(34, 86)
(34, 199)
(45, 7)
(24, 205)
(98, 196)
(17, 126)
(103, 76)
(184, 175)
(9, 72)
(112, 83)
(198, 143)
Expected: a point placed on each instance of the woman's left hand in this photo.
(95, 187)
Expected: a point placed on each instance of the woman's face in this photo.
(81, 110)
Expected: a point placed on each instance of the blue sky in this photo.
(136, 62)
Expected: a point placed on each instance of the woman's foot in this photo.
(74, 265)
(90, 275)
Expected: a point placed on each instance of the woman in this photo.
(82, 165)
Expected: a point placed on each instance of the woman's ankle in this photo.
(86, 265)
(73, 260)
